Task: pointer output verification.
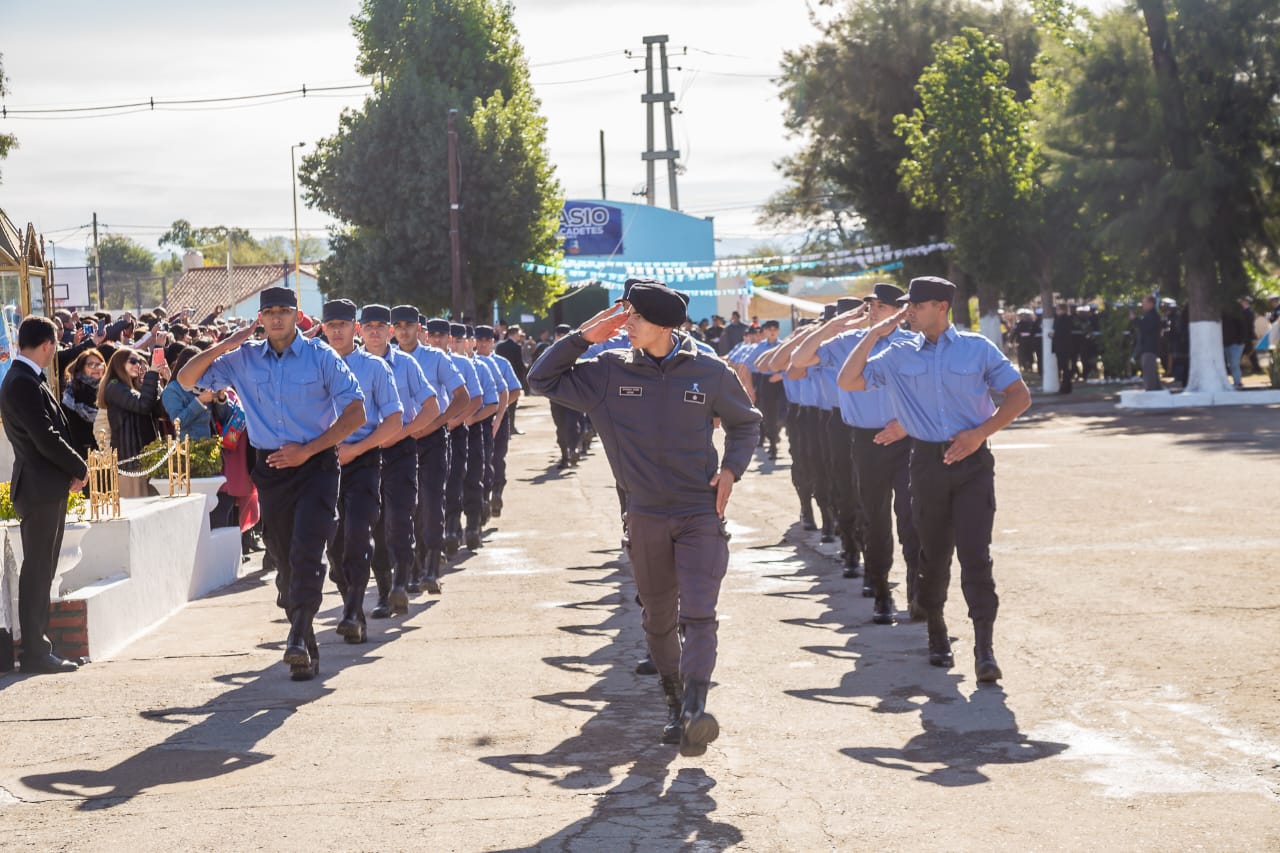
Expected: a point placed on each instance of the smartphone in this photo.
(157, 356)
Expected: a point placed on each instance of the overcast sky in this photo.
(230, 165)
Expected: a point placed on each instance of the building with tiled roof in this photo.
(205, 289)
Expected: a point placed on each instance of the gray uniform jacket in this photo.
(656, 420)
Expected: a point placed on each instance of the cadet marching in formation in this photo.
(368, 455)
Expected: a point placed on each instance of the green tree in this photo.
(971, 156)
(841, 94)
(383, 172)
(127, 273)
(7, 140)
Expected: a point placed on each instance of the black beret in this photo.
(631, 282)
(404, 314)
(277, 297)
(485, 333)
(847, 303)
(338, 309)
(375, 314)
(929, 287)
(828, 311)
(563, 329)
(887, 293)
(457, 330)
(658, 304)
(437, 326)
(770, 324)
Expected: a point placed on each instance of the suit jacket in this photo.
(44, 462)
(510, 350)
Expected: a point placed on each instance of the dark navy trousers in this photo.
(393, 534)
(500, 446)
(434, 468)
(486, 482)
(883, 487)
(473, 479)
(955, 508)
(457, 469)
(299, 509)
(359, 496)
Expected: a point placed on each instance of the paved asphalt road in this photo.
(1135, 559)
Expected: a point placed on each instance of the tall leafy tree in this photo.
(971, 156)
(7, 140)
(127, 273)
(384, 172)
(841, 95)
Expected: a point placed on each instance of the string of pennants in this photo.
(680, 271)
(614, 281)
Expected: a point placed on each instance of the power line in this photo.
(153, 103)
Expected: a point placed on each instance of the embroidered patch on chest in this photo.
(695, 397)
(630, 391)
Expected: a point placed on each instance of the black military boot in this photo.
(984, 659)
(473, 534)
(382, 577)
(295, 645)
(431, 577)
(828, 525)
(452, 533)
(414, 585)
(913, 594)
(852, 562)
(495, 505)
(883, 614)
(697, 727)
(352, 626)
(307, 671)
(399, 598)
(939, 642)
(485, 513)
(671, 688)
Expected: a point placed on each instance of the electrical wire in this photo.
(152, 103)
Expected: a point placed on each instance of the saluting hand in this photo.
(241, 335)
(886, 326)
(723, 484)
(604, 325)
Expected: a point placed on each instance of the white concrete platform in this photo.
(1167, 400)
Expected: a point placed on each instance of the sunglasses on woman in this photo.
(136, 360)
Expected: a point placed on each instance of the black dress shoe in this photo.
(939, 642)
(432, 585)
(868, 588)
(646, 667)
(49, 664)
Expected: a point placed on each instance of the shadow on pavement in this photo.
(890, 674)
(1226, 428)
(219, 736)
(641, 810)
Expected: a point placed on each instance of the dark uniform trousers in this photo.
(473, 482)
(884, 491)
(501, 444)
(393, 536)
(678, 562)
(823, 465)
(299, 509)
(568, 427)
(769, 400)
(359, 496)
(844, 481)
(801, 478)
(457, 469)
(434, 473)
(486, 479)
(954, 508)
(811, 450)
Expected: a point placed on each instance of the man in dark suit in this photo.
(511, 350)
(45, 469)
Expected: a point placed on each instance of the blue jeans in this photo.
(1233, 353)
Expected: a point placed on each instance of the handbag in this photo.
(230, 421)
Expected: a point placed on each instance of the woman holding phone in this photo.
(130, 392)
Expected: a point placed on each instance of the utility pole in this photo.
(603, 192)
(665, 97)
(455, 238)
(97, 266)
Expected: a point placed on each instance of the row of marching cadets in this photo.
(889, 423)
(373, 439)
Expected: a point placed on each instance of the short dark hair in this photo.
(35, 331)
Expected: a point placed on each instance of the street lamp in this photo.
(293, 182)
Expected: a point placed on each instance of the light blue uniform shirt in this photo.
(869, 409)
(508, 372)
(440, 370)
(807, 390)
(824, 382)
(791, 388)
(469, 375)
(411, 382)
(291, 398)
(938, 390)
(490, 381)
(757, 351)
(381, 399)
